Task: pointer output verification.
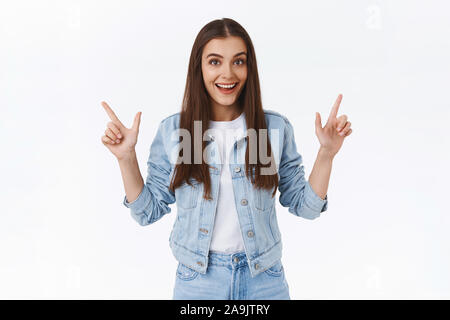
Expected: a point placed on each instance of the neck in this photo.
(225, 113)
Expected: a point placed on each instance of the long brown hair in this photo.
(196, 106)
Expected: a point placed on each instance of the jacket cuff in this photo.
(313, 201)
(141, 201)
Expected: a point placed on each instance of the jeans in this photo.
(228, 278)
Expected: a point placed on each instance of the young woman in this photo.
(223, 171)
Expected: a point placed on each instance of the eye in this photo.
(217, 61)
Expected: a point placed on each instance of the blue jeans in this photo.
(228, 278)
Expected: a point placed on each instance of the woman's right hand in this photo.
(119, 139)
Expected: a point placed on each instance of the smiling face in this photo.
(224, 68)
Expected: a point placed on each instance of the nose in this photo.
(227, 71)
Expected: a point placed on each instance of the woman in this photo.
(224, 175)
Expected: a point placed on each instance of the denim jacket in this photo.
(191, 235)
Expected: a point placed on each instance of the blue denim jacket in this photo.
(191, 235)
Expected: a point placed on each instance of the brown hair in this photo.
(196, 106)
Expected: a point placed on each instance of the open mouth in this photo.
(226, 88)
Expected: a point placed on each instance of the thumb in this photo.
(137, 121)
(318, 121)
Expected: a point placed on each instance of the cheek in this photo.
(208, 77)
(205, 73)
(208, 81)
(242, 74)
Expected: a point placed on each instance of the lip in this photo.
(226, 91)
(226, 84)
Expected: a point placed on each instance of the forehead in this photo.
(226, 47)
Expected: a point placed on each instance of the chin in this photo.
(226, 102)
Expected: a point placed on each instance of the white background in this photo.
(64, 232)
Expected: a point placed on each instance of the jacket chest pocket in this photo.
(186, 196)
(263, 199)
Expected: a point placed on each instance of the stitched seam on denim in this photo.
(249, 212)
(200, 219)
(274, 274)
(172, 115)
(264, 210)
(179, 245)
(192, 201)
(272, 226)
(269, 248)
(312, 208)
(192, 277)
(274, 113)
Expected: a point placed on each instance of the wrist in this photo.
(324, 154)
(130, 156)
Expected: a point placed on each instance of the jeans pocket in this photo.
(185, 273)
(276, 270)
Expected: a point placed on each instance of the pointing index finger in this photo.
(111, 114)
(335, 108)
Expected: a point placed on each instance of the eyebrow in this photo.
(218, 55)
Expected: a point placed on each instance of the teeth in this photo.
(226, 86)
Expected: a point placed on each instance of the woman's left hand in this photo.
(336, 129)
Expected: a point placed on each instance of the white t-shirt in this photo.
(226, 236)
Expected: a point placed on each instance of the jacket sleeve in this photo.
(153, 201)
(296, 192)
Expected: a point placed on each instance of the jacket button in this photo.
(236, 259)
(203, 230)
(200, 263)
(256, 266)
(244, 202)
(250, 233)
(237, 169)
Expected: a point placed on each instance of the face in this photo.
(224, 63)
